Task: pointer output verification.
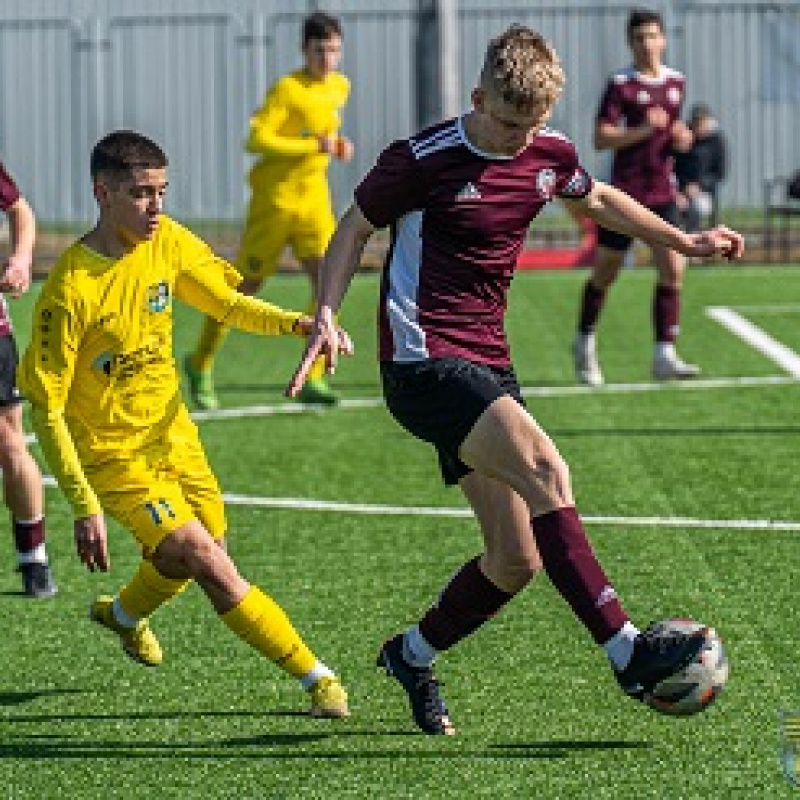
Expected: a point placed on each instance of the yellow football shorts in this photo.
(161, 488)
(306, 227)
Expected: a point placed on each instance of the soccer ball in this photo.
(693, 688)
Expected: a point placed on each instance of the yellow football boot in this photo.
(139, 643)
(328, 699)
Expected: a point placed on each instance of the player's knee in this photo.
(188, 552)
(554, 479)
(13, 449)
(202, 558)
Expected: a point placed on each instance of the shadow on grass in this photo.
(70, 748)
(18, 698)
(136, 715)
(59, 746)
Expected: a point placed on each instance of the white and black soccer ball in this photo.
(693, 688)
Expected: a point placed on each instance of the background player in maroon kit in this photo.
(639, 119)
(459, 197)
(22, 481)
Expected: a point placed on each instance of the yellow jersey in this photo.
(284, 133)
(99, 371)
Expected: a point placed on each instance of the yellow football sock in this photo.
(317, 371)
(211, 339)
(147, 590)
(262, 623)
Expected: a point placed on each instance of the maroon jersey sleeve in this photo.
(393, 187)
(610, 109)
(573, 182)
(9, 194)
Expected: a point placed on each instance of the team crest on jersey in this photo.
(545, 182)
(643, 97)
(158, 297)
(674, 95)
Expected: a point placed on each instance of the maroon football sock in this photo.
(572, 566)
(28, 535)
(591, 305)
(469, 600)
(666, 313)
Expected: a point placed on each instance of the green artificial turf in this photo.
(538, 712)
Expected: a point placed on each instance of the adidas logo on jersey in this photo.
(469, 192)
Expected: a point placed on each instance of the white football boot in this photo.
(667, 365)
(587, 367)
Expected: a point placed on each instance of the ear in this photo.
(100, 191)
(478, 97)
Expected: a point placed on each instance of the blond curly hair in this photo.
(522, 68)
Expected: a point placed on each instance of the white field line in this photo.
(783, 356)
(376, 509)
(350, 403)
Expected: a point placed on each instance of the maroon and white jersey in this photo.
(644, 170)
(459, 218)
(9, 194)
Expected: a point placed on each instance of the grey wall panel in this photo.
(190, 73)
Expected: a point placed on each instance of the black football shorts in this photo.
(9, 358)
(439, 400)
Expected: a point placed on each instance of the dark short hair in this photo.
(643, 16)
(119, 153)
(699, 112)
(320, 25)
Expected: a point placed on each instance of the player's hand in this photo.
(325, 338)
(682, 136)
(340, 147)
(92, 543)
(15, 278)
(657, 118)
(343, 149)
(720, 241)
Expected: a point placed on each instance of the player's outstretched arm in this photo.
(612, 208)
(341, 260)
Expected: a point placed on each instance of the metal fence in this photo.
(190, 72)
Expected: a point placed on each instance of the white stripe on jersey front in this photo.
(403, 286)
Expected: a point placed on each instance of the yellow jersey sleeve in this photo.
(268, 129)
(45, 376)
(206, 283)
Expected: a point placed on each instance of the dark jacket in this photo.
(706, 163)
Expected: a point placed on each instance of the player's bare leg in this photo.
(584, 347)
(23, 496)
(316, 390)
(667, 364)
(190, 552)
(507, 445)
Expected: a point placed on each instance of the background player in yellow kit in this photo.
(295, 133)
(107, 408)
